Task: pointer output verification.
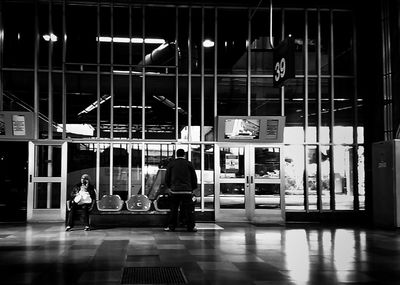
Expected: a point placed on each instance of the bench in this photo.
(138, 210)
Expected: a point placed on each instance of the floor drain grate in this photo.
(153, 275)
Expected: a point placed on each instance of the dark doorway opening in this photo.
(13, 181)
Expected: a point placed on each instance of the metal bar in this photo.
(189, 122)
(319, 94)
(305, 180)
(332, 116)
(63, 79)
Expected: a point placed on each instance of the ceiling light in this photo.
(51, 37)
(132, 40)
(208, 43)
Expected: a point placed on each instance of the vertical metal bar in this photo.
(112, 74)
(98, 170)
(202, 114)
(129, 145)
(355, 134)
(248, 62)
(176, 72)
(305, 180)
(319, 94)
(190, 76)
(98, 86)
(282, 89)
(1, 57)
(130, 76)
(202, 78)
(98, 73)
(332, 116)
(143, 76)
(63, 76)
(50, 105)
(215, 71)
(50, 74)
(36, 73)
(111, 165)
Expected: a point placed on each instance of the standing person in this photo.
(181, 178)
(83, 196)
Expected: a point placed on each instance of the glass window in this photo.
(136, 171)
(160, 115)
(344, 110)
(294, 26)
(81, 160)
(81, 26)
(343, 43)
(231, 43)
(17, 92)
(294, 173)
(19, 34)
(232, 96)
(325, 177)
(156, 158)
(261, 48)
(312, 179)
(265, 99)
(326, 111)
(120, 171)
(208, 177)
(325, 42)
(343, 165)
(294, 111)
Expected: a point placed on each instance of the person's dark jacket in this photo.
(181, 177)
(90, 188)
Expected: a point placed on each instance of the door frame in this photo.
(46, 214)
(249, 213)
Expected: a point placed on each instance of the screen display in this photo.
(242, 129)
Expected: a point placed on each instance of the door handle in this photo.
(30, 178)
(247, 179)
(251, 179)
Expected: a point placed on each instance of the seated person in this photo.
(83, 196)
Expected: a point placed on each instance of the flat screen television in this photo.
(251, 128)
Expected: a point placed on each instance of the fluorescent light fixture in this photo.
(133, 107)
(94, 105)
(208, 43)
(132, 40)
(51, 37)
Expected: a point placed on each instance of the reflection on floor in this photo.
(217, 254)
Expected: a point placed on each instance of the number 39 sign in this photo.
(284, 62)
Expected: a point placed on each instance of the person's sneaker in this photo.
(169, 229)
(67, 229)
(87, 228)
(193, 230)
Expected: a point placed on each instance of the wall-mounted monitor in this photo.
(251, 128)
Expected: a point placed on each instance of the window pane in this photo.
(343, 43)
(343, 177)
(294, 173)
(160, 117)
(344, 110)
(232, 37)
(265, 99)
(19, 37)
(232, 96)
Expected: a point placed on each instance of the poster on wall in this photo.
(231, 163)
(18, 125)
(2, 125)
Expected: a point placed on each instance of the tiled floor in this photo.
(226, 254)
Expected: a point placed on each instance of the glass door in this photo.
(47, 181)
(232, 173)
(267, 199)
(249, 183)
